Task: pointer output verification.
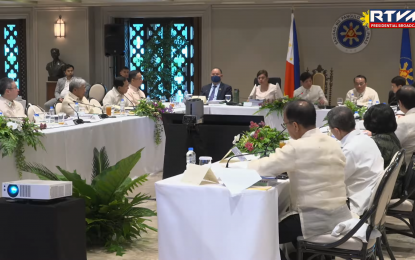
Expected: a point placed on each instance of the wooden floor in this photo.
(146, 248)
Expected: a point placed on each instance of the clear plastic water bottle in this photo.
(76, 107)
(377, 102)
(122, 107)
(185, 96)
(51, 111)
(191, 156)
(369, 103)
(1, 113)
(36, 118)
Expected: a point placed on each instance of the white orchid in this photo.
(12, 125)
(236, 139)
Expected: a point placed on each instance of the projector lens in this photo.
(13, 191)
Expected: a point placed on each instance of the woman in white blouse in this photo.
(265, 90)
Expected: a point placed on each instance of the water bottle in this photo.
(185, 96)
(76, 107)
(1, 113)
(191, 156)
(51, 111)
(36, 118)
(369, 103)
(377, 102)
(122, 107)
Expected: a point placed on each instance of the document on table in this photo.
(237, 180)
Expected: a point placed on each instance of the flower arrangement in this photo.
(355, 108)
(259, 138)
(14, 135)
(275, 105)
(154, 110)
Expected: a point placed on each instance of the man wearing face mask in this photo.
(217, 89)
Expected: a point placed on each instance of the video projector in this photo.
(36, 189)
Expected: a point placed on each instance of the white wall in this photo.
(74, 48)
(247, 40)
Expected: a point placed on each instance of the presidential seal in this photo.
(349, 35)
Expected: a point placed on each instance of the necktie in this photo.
(212, 95)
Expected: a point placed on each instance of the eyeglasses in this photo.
(284, 125)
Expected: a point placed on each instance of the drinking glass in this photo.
(339, 101)
(228, 98)
(47, 117)
(42, 117)
(61, 118)
(82, 111)
(108, 110)
(205, 160)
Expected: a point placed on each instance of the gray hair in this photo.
(341, 118)
(76, 83)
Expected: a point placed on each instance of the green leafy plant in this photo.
(14, 135)
(154, 110)
(355, 108)
(258, 138)
(275, 105)
(113, 220)
(158, 62)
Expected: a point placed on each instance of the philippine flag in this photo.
(292, 64)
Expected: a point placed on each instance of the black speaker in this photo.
(114, 40)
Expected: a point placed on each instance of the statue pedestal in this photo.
(50, 89)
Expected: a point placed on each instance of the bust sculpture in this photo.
(54, 67)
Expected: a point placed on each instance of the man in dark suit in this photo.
(217, 89)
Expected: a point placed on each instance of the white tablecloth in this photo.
(72, 147)
(273, 120)
(206, 223)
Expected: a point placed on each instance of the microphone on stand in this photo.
(130, 101)
(76, 121)
(239, 155)
(102, 116)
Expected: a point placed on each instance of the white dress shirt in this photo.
(273, 92)
(364, 166)
(11, 108)
(312, 94)
(315, 165)
(65, 91)
(214, 89)
(113, 98)
(363, 98)
(406, 133)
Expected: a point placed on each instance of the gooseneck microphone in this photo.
(130, 101)
(102, 116)
(76, 121)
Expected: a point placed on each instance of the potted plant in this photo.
(113, 219)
